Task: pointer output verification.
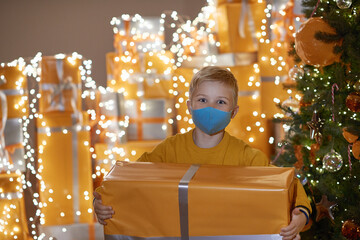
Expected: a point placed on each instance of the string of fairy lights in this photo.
(187, 37)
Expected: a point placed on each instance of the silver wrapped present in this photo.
(148, 119)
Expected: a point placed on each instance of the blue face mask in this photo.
(211, 120)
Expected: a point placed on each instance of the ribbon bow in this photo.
(57, 101)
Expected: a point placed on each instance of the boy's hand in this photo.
(297, 223)
(102, 212)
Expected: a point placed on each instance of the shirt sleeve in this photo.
(301, 200)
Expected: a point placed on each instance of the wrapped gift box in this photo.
(12, 203)
(15, 89)
(14, 106)
(149, 119)
(107, 116)
(63, 147)
(149, 77)
(208, 201)
(147, 33)
(14, 138)
(60, 84)
(91, 231)
(238, 26)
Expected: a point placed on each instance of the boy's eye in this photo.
(221, 102)
(202, 100)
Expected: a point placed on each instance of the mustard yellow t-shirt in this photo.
(230, 151)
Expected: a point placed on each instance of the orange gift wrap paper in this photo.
(12, 203)
(234, 26)
(177, 200)
(65, 163)
(15, 90)
(149, 77)
(60, 84)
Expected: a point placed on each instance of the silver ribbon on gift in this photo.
(245, 9)
(74, 129)
(183, 201)
(57, 89)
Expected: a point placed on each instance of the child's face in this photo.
(213, 94)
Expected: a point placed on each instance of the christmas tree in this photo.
(322, 139)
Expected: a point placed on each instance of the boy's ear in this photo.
(188, 103)
(235, 111)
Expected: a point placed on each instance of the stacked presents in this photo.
(236, 35)
(14, 102)
(139, 72)
(234, 25)
(63, 139)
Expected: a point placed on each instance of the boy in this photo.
(212, 104)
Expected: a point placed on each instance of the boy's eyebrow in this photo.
(204, 95)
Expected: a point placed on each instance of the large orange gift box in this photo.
(65, 167)
(158, 200)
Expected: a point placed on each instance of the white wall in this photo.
(65, 26)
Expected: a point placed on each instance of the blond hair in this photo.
(214, 74)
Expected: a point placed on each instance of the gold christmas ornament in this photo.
(353, 101)
(350, 230)
(313, 51)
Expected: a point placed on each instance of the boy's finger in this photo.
(101, 207)
(102, 222)
(102, 211)
(104, 216)
(289, 231)
(97, 195)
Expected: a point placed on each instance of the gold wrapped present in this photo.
(149, 119)
(12, 204)
(149, 76)
(239, 24)
(176, 201)
(15, 88)
(60, 84)
(136, 33)
(64, 158)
